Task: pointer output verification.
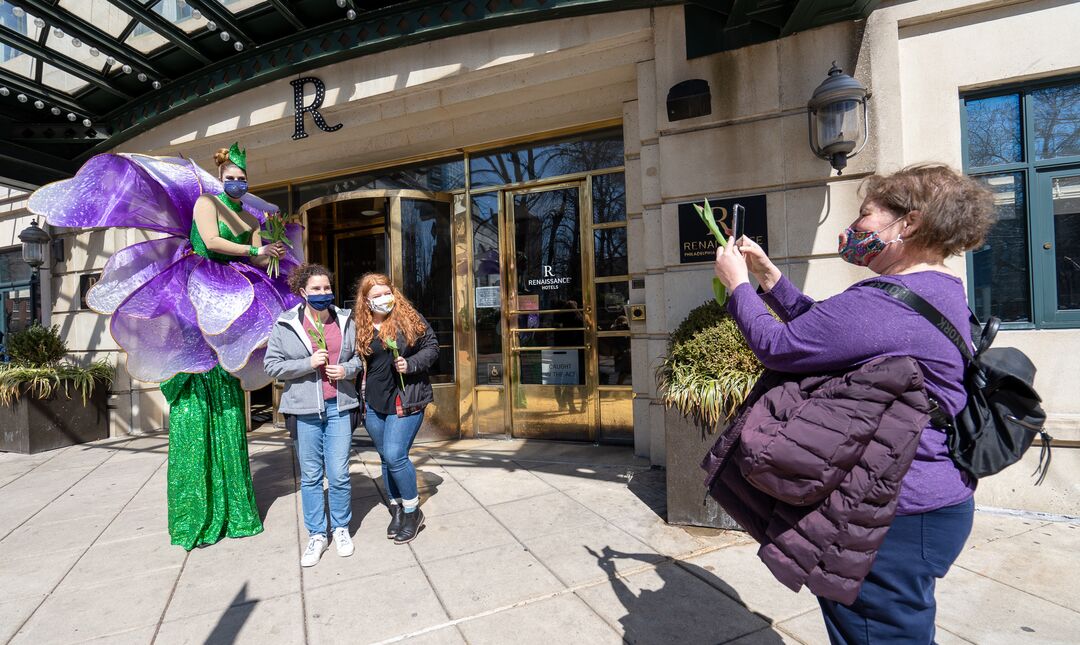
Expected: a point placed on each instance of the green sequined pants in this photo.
(210, 491)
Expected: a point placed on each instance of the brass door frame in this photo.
(444, 416)
(511, 310)
(393, 217)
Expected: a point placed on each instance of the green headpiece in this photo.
(238, 157)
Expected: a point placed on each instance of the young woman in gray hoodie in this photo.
(312, 349)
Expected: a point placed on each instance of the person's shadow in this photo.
(682, 610)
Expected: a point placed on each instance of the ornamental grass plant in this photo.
(709, 369)
(38, 367)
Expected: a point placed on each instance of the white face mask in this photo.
(382, 305)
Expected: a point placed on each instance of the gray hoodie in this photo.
(288, 359)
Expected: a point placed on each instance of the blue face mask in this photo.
(235, 188)
(320, 301)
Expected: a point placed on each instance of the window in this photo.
(1024, 144)
(15, 23)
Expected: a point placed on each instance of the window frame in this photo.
(1038, 206)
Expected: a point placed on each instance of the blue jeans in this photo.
(393, 437)
(325, 440)
(896, 603)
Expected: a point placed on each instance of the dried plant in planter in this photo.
(709, 369)
(37, 367)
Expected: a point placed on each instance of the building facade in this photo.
(523, 186)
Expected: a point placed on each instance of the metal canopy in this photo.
(79, 77)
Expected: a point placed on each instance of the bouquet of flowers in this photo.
(274, 231)
(706, 215)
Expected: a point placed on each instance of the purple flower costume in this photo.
(195, 321)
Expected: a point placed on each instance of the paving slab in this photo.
(15, 609)
(366, 610)
(992, 526)
(542, 515)
(449, 497)
(485, 580)
(569, 476)
(740, 574)
(581, 555)
(114, 561)
(652, 605)
(562, 619)
(138, 521)
(453, 535)
(988, 612)
(373, 554)
(82, 614)
(37, 538)
(808, 628)
(494, 484)
(35, 575)
(213, 578)
(274, 620)
(138, 636)
(1055, 576)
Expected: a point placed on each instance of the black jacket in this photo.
(420, 356)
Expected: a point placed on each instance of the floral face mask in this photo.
(861, 247)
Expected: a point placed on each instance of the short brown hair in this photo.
(298, 277)
(957, 211)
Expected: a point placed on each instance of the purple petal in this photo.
(157, 327)
(250, 330)
(130, 268)
(220, 295)
(113, 190)
(252, 376)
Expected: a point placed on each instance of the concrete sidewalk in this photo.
(527, 542)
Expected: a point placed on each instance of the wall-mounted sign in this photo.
(86, 281)
(559, 367)
(696, 244)
(487, 297)
(300, 108)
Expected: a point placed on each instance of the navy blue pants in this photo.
(896, 603)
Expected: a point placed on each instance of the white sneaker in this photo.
(343, 542)
(315, 547)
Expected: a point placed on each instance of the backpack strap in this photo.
(938, 416)
(928, 311)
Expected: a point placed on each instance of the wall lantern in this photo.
(33, 240)
(839, 128)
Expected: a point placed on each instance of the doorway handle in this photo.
(1047, 246)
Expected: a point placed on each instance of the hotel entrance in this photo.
(517, 256)
(406, 235)
(557, 303)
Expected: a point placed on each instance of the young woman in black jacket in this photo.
(399, 348)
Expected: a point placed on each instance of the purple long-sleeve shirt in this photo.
(861, 324)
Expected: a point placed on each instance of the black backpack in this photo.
(1002, 415)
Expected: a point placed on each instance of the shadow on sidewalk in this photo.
(660, 615)
(232, 621)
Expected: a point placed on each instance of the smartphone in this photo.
(738, 213)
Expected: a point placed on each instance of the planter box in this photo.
(34, 425)
(687, 502)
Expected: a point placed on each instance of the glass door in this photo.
(1057, 245)
(551, 330)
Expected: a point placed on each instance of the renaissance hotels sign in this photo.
(696, 244)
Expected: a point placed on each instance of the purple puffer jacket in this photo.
(811, 467)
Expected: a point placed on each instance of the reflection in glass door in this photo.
(1059, 239)
(552, 330)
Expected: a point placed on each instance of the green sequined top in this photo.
(224, 231)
